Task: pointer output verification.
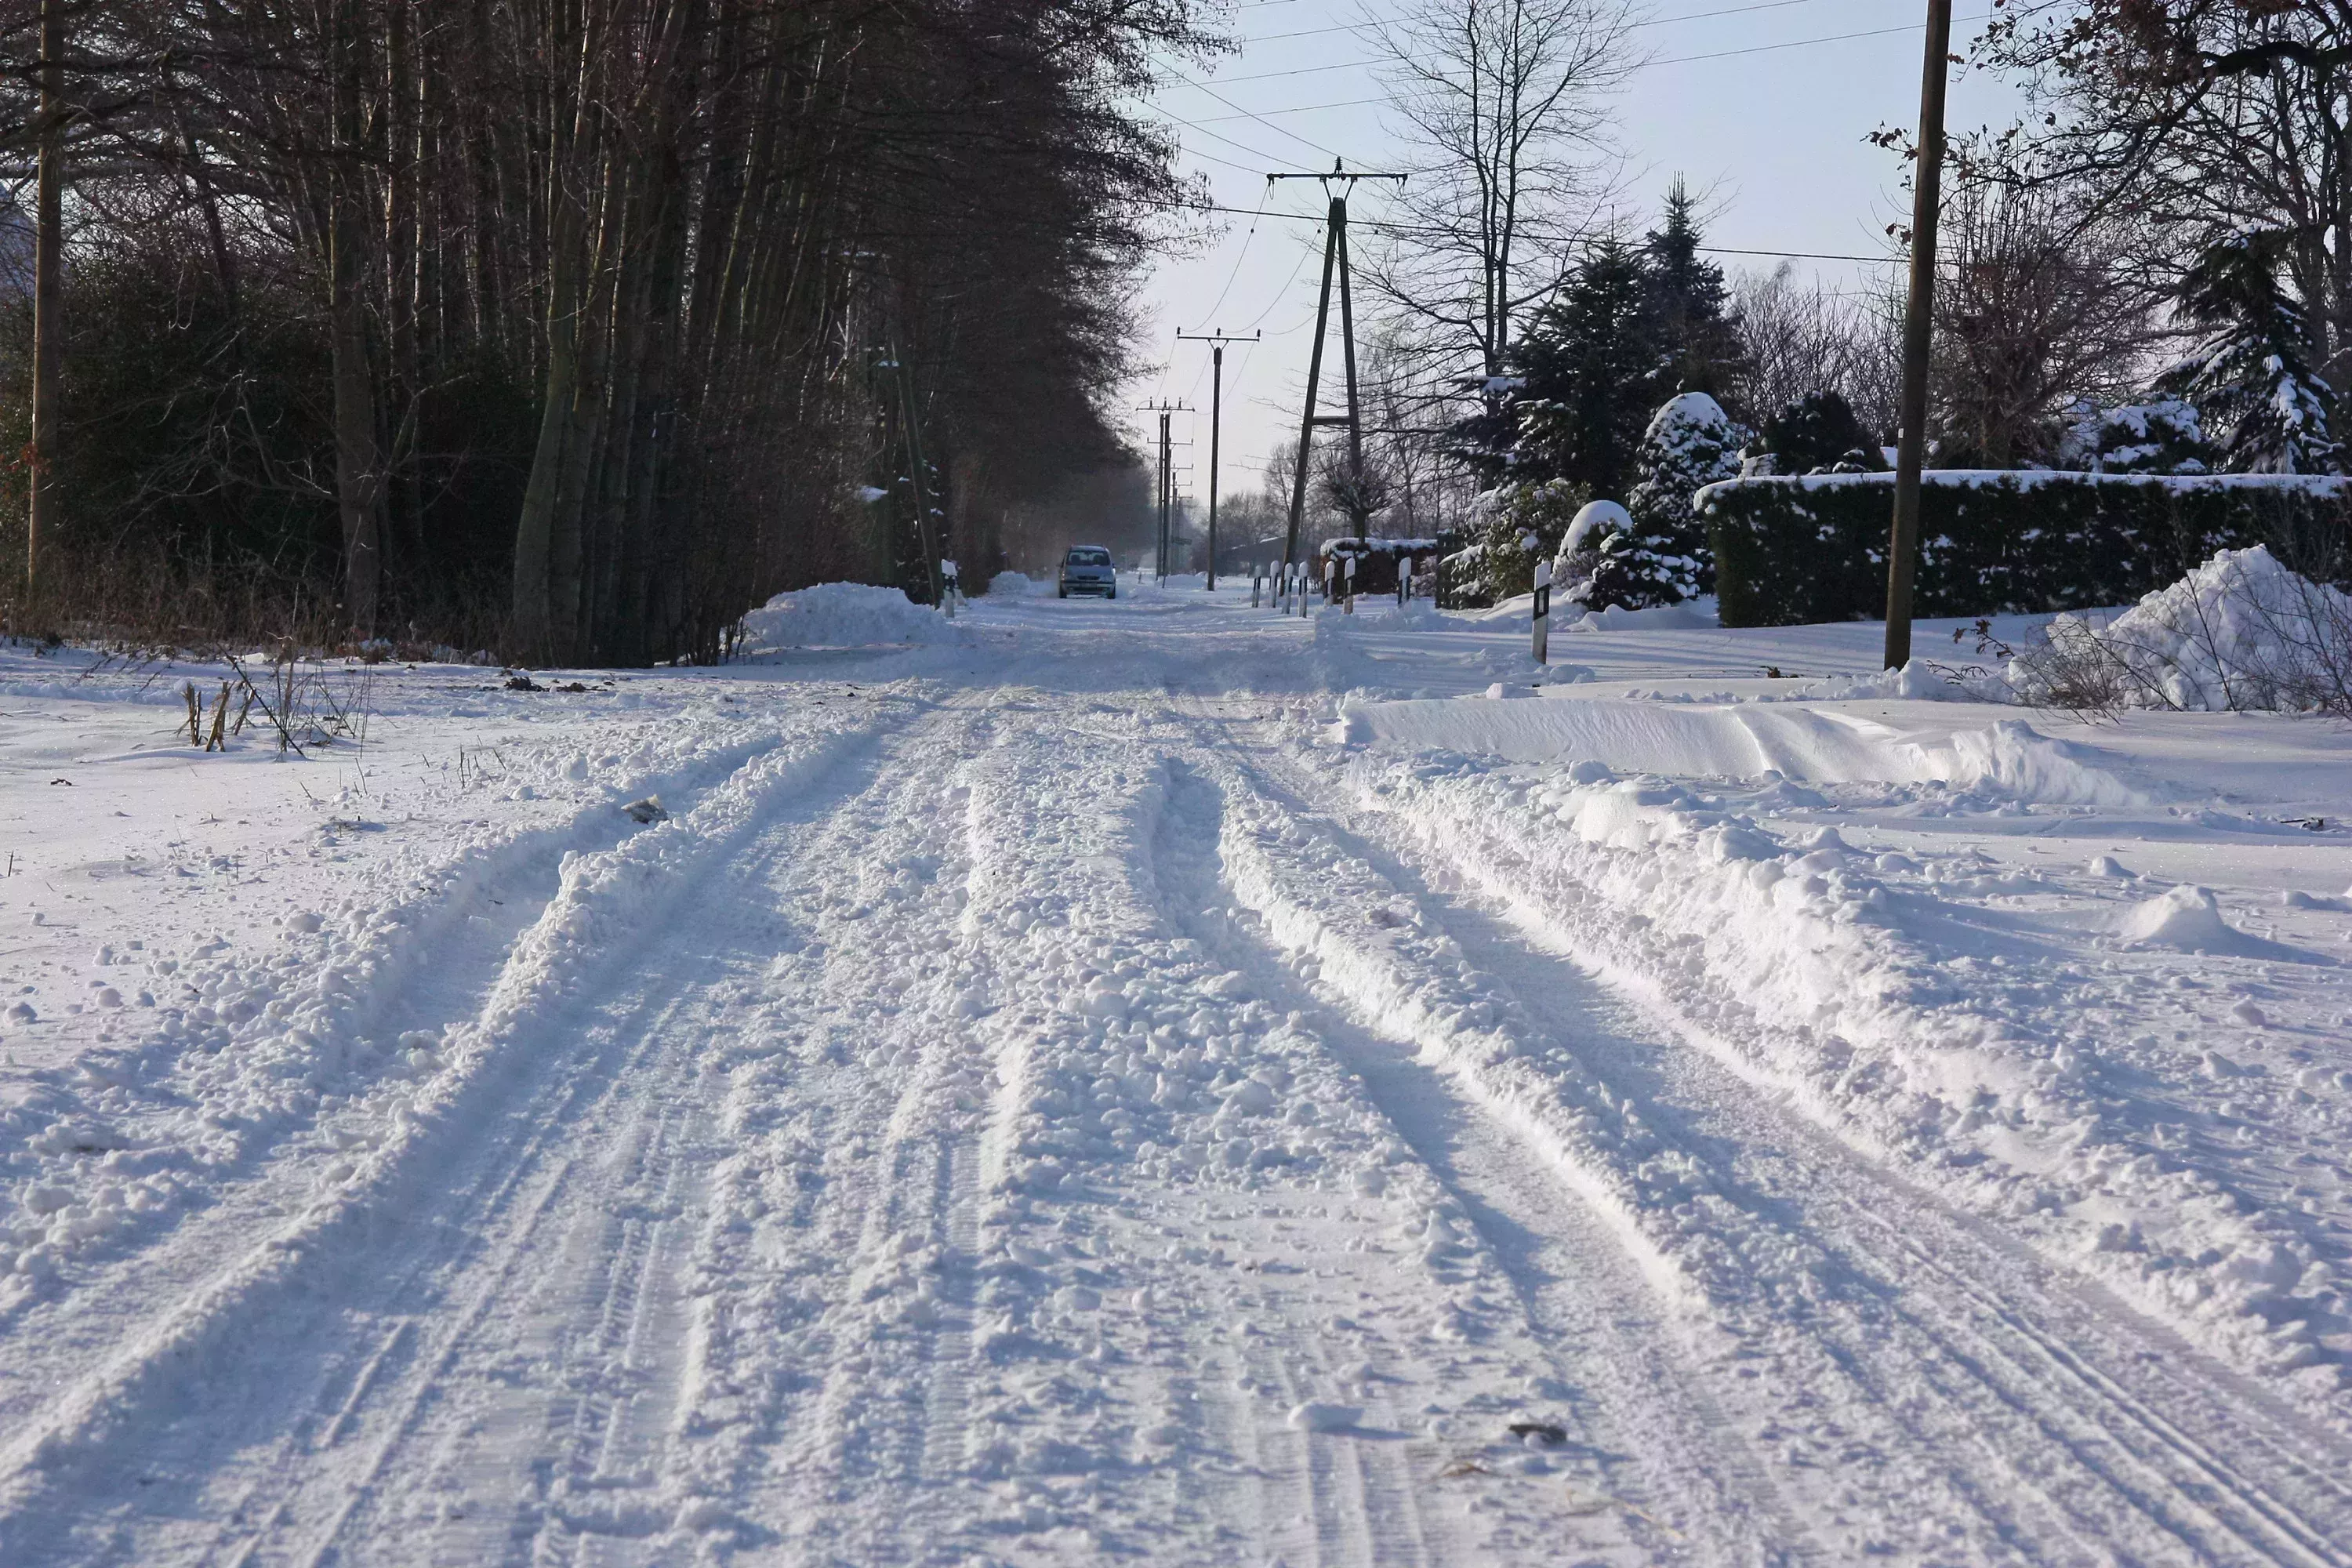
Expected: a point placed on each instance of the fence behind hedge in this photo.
(1792, 551)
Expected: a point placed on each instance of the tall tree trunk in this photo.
(358, 471)
(49, 313)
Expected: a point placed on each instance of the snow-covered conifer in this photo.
(1691, 442)
(2154, 435)
(2251, 379)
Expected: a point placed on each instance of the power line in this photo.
(1229, 103)
(1674, 60)
(1650, 21)
(1400, 228)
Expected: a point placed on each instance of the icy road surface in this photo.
(1082, 1092)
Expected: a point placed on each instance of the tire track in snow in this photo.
(1632, 1405)
(605, 899)
(2094, 1480)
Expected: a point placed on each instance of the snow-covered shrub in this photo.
(2158, 434)
(1796, 551)
(1663, 559)
(1576, 569)
(1012, 585)
(2239, 633)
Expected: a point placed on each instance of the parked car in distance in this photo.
(1087, 569)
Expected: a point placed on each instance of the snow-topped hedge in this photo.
(1793, 550)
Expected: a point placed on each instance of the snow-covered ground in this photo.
(1156, 1081)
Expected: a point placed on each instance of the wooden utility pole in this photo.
(1217, 341)
(1167, 474)
(48, 307)
(1919, 322)
(1335, 254)
(910, 418)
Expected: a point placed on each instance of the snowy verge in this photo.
(1839, 978)
(844, 615)
(235, 1053)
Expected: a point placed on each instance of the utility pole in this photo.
(1217, 341)
(1167, 472)
(910, 413)
(1918, 321)
(1337, 186)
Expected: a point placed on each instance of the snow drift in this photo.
(1748, 741)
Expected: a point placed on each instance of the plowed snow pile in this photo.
(844, 615)
(2241, 633)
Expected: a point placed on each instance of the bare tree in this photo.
(2199, 118)
(2037, 310)
(1804, 336)
(1505, 106)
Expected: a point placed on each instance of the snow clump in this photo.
(2187, 917)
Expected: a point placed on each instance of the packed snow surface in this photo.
(1158, 1081)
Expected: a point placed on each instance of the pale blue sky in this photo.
(1775, 132)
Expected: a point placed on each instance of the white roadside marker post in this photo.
(1543, 612)
(1330, 577)
(1352, 585)
(949, 588)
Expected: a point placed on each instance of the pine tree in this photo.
(1587, 365)
(1689, 307)
(2250, 380)
(1691, 442)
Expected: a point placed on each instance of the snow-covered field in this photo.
(1161, 1081)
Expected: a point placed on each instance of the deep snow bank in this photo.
(2241, 633)
(844, 615)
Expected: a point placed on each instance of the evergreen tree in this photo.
(2250, 381)
(1665, 559)
(1689, 308)
(1586, 366)
(1817, 434)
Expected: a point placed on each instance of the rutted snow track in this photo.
(1033, 1122)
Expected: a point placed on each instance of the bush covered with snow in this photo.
(1801, 551)
(2241, 633)
(1013, 586)
(844, 615)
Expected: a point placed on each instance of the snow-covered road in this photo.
(1056, 1096)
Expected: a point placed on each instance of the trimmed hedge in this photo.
(1793, 550)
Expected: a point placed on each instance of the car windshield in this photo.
(1089, 558)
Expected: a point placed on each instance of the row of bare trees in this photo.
(573, 325)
